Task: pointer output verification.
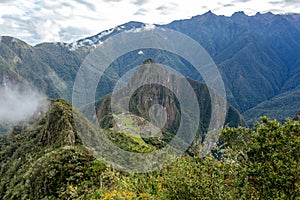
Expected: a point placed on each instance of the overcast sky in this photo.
(36, 21)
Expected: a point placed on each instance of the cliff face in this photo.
(150, 94)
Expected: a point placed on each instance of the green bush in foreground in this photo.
(270, 154)
(258, 163)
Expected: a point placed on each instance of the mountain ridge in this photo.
(256, 55)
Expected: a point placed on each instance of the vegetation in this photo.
(258, 163)
(46, 160)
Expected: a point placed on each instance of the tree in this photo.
(270, 155)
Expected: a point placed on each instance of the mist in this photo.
(17, 105)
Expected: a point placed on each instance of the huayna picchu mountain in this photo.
(37, 158)
(43, 158)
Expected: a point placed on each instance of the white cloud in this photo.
(16, 106)
(48, 30)
(49, 21)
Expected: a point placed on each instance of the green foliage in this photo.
(46, 160)
(270, 155)
(43, 159)
(258, 163)
(186, 178)
(129, 142)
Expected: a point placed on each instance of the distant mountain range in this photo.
(258, 57)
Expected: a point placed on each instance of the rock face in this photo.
(144, 98)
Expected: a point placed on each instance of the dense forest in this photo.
(47, 160)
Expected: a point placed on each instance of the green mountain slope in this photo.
(43, 158)
(49, 68)
(37, 158)
(20, 65)
(277, 108)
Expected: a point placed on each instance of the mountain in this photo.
(278, 107)
(49, 68)
(145, 97)
(102, 36)
(256, 55)
(53, 154)
(33, 155)
(42, 158)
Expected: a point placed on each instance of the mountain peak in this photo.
(209, 14)
(59, 129)
(103, 35)
(239, 13)
(14, 42)
(264, 14)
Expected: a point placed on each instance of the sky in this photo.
(37, 21)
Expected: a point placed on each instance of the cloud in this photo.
(47, 30)
(284, 5)
(71, 32)
(5, 1)
(16, 106)
(90, 5)
(47, 21)
(276, 2)
(291, 2)
(163, 7)
(140, 2)
(163, 10)
(141, 12)
(227, 5)
(241, 1)
(113, 1)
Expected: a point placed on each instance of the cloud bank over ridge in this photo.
(60, 21)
